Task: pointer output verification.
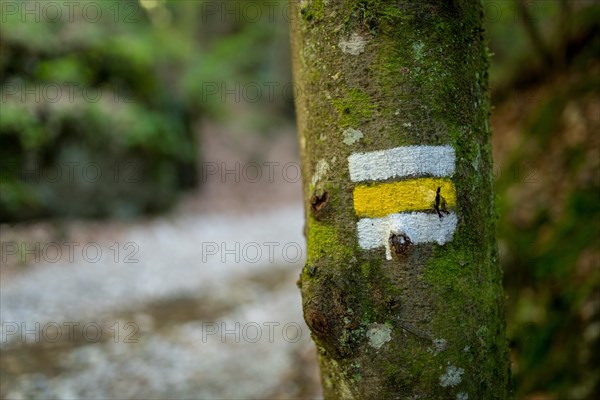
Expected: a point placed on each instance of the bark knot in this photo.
(317, 322)
(400, 243)
(318, 201)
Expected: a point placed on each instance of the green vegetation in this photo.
(99, 115)
(91, 123)
(548, 191)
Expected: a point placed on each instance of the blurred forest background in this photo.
(155, 63)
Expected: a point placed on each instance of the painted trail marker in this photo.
(417, 207)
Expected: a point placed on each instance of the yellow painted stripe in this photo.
(412, 195)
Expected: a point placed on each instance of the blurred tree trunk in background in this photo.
(414, 309)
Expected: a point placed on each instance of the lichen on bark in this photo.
(401, 73)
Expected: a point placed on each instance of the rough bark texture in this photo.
(428, 324)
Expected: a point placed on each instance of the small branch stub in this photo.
(318, 201)
(400, 243)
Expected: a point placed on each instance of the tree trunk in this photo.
(402, 288)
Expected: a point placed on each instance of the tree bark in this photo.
(402, 287)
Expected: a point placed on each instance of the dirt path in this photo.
(200, 303)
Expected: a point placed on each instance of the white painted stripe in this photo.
(420, 227)
(401, 162)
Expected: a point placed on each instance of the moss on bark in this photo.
(428, 324)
